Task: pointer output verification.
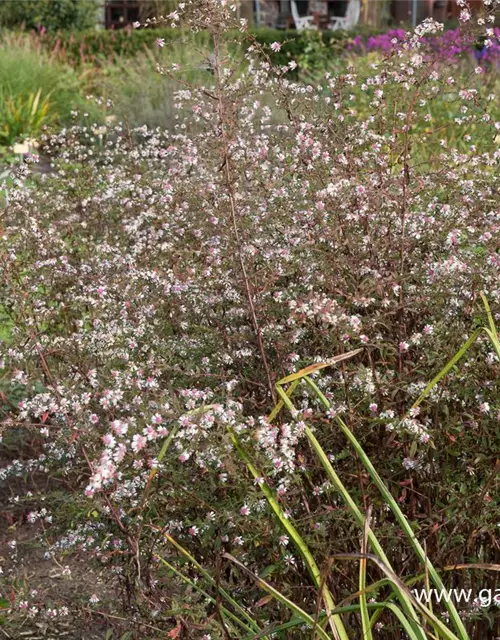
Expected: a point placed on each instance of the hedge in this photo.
(100, 45)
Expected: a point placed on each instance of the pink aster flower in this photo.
(138, 442)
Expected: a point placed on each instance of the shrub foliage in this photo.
(50, 15)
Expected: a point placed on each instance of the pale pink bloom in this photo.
(119, 453)
(138, 442)
(109, 440)
(484, 407)
(119, 427)
(150, 432)
(290, 560)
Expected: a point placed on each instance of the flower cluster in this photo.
(451, 45)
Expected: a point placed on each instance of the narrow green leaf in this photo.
(318, 366)
(292, 531)
(306, 618)
(358, 516)
(190, 582)
(281, 404)
(209, 579)
(427, 613)
(459, 354)
(405, 525)
(365, 616)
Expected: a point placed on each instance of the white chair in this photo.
(350, 19)
(301, 22)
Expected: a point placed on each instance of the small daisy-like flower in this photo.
(276, 46)
(245, 511)
(138, 443)
(290, 560)
(160, 42)
(109, 440)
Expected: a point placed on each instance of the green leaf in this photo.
(306, 618)
(313, 368)
(413, 448)
(268, 571)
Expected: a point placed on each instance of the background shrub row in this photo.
(100, 44)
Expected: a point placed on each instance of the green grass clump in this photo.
(36, 91)
(142, 95)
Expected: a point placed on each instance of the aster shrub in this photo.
(156, 284)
